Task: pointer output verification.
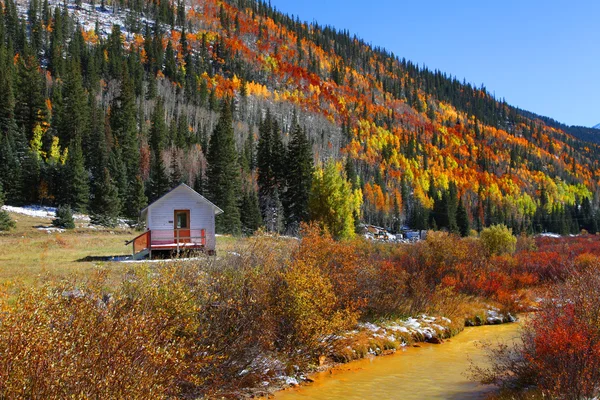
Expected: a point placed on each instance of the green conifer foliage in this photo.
(224, 174)
(105, 206)
(76, 179)
(462, 220)
(64, 218)
(6, 223)
(250, 212)
(299, 173)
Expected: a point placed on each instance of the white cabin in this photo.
(180, 220)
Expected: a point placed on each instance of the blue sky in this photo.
(543, 56)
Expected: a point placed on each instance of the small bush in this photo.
(64, 218)
(6, 222)
(498, 240)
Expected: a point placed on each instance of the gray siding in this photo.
(202, 215)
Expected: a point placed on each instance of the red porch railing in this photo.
(169, 239)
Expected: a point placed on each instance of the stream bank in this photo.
(428, 371)
(370, 340)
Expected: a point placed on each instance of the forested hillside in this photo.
(106, 106)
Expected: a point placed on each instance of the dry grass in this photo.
(28, 254)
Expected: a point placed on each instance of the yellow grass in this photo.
(28, 254)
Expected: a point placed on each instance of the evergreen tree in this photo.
(31, 173)
(462, 220)
(123, 123)
(271, 174)
(176, 175)
(6, 223)
(30, 107)
(74, 118)
(106, 205)
(137, 201)
(64, 218)
(299, 174)
(159, 180)
(250, 212)
(76, 179)
(224, 174)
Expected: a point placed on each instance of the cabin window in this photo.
(181, 220)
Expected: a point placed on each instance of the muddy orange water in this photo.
(428, 372)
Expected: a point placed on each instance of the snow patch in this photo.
(550, 235)
(41, 212)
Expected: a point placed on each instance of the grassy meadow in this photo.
(28, 253)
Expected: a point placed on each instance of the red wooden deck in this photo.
(171, 239)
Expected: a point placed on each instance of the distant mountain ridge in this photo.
(136, 104)
(597, 126)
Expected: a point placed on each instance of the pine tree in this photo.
(299, 174)
(74, 118)
(265, 178)
(64, 218)
(462, 220)
(123, 123)
(270, 174)
(30, 107)
(159, 180)
(250, 212)
(137, 200)
(6, 222)
(106, 205)
(176, 175)
(76, 179)
(31, 173)
(224, 174)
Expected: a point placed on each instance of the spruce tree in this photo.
(270, 174)
(159, 180)
(76, 179)
(462, 219)
(176, 175)
(6, 223)
(105, 206)
(250, 212)
(299, 174)
(137, 200)
(74, 118)
(64, 218)
(123, 123)
(224, 174)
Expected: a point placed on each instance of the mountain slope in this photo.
(596, 126)
(413, 136)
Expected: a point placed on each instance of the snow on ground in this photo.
(550, 235)
(169, 260)
(50, 229)
(423, 326)
(41, 212)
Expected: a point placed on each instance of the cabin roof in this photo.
(183, 186)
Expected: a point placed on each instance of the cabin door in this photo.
(182, 226)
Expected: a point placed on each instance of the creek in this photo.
(427, 372)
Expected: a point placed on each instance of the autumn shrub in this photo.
(525, 243)
(308, 308)
(57, 342)
(498, 239)
(560, 346)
